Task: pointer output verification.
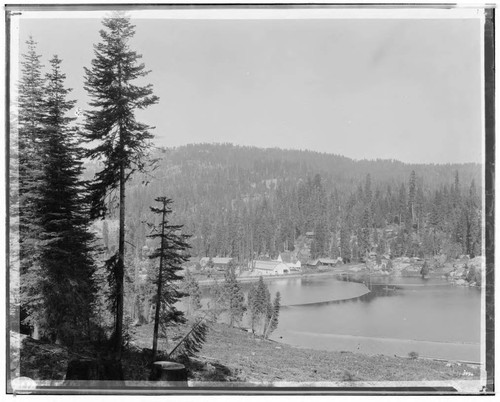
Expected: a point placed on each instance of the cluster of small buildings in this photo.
(286, 263)
(259, 267)
(283, 266)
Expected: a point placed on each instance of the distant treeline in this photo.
(247, 202)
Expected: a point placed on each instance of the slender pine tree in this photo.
(402, 205)
(344, 242)
(273, 315)
(171, 253)
(216, 303)
(122, 142)
(251, 307)
(192, 289)
(472, 222)
(412, 191)
(259, 300)
(364, 233)
(234, 297)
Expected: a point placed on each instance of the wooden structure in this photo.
(269, 267)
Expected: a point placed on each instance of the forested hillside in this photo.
(248, 202)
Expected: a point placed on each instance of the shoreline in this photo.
(207, 282)
(383, 339)
(345, 270)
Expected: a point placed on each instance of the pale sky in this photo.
(406, 89)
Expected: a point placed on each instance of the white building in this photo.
(269, 267)
(287, 260)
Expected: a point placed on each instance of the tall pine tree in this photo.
(233, 296)
(66, 259)
(30, 172)
(122, 142)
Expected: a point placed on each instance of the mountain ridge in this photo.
(264, 148)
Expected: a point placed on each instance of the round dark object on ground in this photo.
(174, 374)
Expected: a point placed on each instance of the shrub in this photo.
(413, 355)
(471, 274)
(348, 376)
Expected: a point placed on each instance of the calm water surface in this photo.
(392, 316)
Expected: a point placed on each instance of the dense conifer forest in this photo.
(247, 203)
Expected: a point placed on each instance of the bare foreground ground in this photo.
(233, 355)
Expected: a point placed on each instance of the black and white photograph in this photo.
(255, 199)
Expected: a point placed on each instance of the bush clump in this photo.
(413, 355)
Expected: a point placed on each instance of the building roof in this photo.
(322, 261)
(267, 265)
(222, 260)
(327, 261)
(216, 260)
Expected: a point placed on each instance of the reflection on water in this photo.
(386, 315)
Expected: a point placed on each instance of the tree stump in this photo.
(169, 373)
(92, 373)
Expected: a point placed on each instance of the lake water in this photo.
(392, 316)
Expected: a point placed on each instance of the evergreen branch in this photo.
(130, 244)
(191, 343)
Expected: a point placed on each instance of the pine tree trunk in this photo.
(158, 293)
(264, 325)
(120, 268)
(266, 330)
(157, 316)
